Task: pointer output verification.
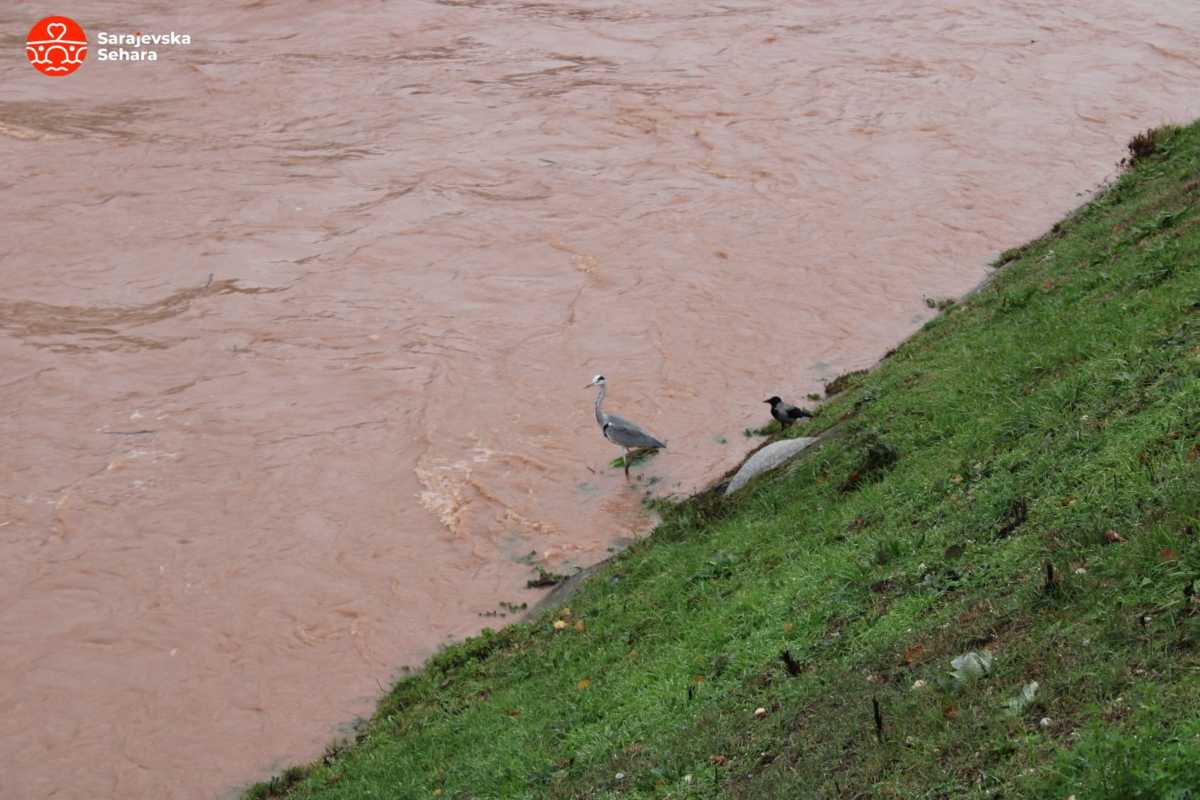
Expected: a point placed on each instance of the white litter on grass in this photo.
(1024, 699)
(971, 665)
(768, 458)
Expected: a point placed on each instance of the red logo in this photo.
(56, 46)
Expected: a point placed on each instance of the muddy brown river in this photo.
(295, 320)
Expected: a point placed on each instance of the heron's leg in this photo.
(625, 461)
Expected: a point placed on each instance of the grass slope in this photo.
(1053, 418)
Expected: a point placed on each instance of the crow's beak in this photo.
(766, 401)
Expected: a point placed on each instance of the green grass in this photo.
(1052, 418)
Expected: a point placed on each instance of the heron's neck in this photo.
(600, 416)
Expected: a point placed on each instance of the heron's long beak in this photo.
(590, 385)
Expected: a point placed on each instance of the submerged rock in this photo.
(768, 458)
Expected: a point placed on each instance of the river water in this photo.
(295, 321)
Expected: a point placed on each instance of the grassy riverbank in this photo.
(1022, 477)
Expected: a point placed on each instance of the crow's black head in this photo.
(774, 401)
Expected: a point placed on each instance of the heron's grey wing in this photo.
(627, 434)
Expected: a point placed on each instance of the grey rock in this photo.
(768, 458)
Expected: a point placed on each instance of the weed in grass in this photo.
(888, 550)
(544, 578)
(770, 428)
(843, 382)
(877, 457)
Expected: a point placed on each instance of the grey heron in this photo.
(785, 413)
(619, 430)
